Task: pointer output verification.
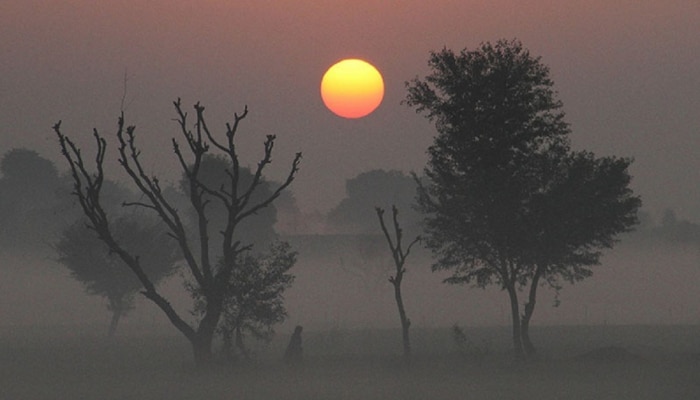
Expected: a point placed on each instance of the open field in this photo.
(603, 362)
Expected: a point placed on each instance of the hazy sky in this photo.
(628, 73)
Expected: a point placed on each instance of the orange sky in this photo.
(627, 72)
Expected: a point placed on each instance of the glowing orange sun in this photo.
(352, 88)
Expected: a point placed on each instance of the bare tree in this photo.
(399, 257)
(210, 276)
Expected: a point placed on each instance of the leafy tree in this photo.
(583, 204)
(29, 199)
(255, 297)
(506, 201)
(365, 191)
(103, 274)
(211, 274)
(19, 166)
(399, 256)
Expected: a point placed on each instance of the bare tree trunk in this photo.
(204, 337)
(201, 349)
(405, 322)
(518, 352)
(399, 257)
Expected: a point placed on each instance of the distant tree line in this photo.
(35, 202)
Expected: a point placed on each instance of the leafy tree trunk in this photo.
(527, 315)
(515, 313)
(528, 347)
(119, 305)
(240, 344)
(227, 344)
(116, 316)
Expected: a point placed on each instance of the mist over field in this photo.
(199, 266)
(341, 283)
(630, 331)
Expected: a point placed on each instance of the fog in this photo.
(628, 76)
(636, 318)
(54, 335)
(342, 283)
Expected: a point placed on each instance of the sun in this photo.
(352, 88)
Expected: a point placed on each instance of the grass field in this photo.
(604, 362)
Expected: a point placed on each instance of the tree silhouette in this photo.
(258, 231)
(585, 203)
(506, 201)
(254, 297)
(676, 230)
(32, 209)
(103, 274)
(210, 275)
(399, 256)
(254, 302)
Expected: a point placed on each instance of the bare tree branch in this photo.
(211, 281)
(288, 181)
(399, 260)
(87, 189)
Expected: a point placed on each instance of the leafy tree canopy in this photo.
(103, 273)
(506, 200)
(498, 123)
(24, 166)
(33, 207)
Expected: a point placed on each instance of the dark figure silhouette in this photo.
(294, 350)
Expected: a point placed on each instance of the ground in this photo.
(607, 362)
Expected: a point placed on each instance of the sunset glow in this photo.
(352, 88)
